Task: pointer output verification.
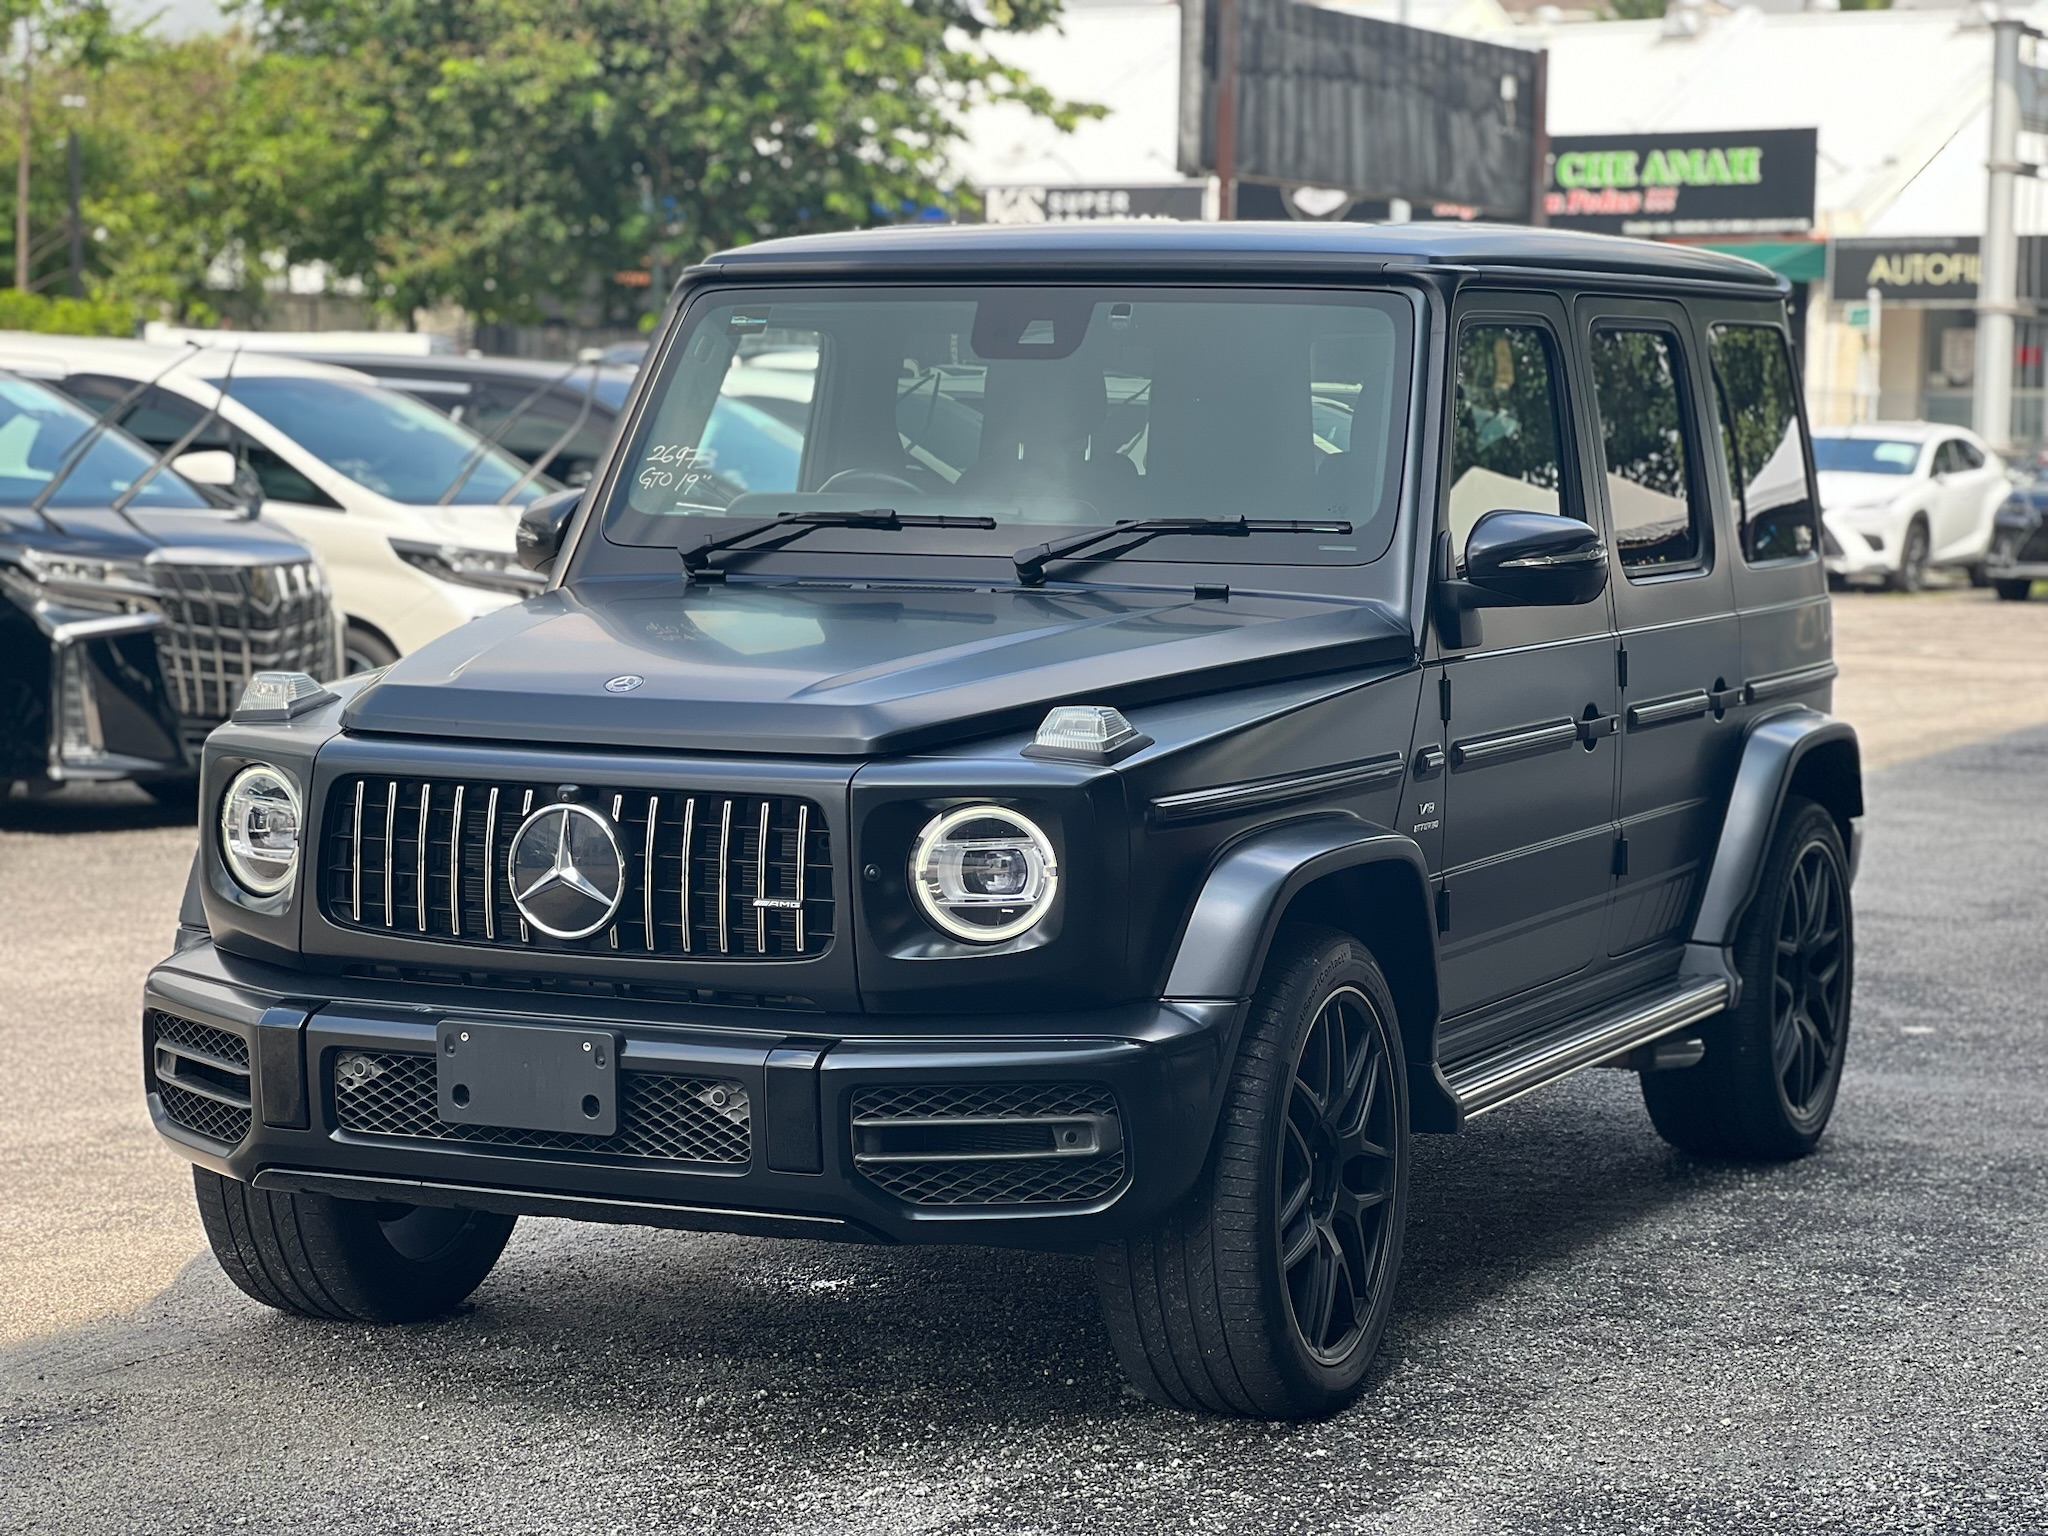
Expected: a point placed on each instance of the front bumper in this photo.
(1857, 550)
(795, 1171)
(2018, 554)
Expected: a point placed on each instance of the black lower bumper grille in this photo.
(202, 1076)
(673, 1119)
(950, 1144)
(225, 623)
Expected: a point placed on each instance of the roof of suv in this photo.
(144, 359)
(1157, 245)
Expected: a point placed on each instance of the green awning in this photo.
(1799, 261)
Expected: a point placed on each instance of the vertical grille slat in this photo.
(690, 890)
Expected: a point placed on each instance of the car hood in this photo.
(842, 670)
(197, 535)
(1845, 488)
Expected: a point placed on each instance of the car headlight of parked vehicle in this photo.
(97, 582)
(492, 569)
(983, 873)
(260, 821)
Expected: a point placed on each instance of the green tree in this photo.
(489, 152)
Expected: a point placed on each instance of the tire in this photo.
(1979, 576)
(1206, 1311)
(364, 650)
(2012, 591)
(353, 1261)
(1911, 575)
(1767, 1086)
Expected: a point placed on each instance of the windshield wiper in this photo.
(791, 526)
(582, 415)
(191, 435)
(1031, 563)
(92, 434)
(485, 443)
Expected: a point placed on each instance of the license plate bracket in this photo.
(528, 1077)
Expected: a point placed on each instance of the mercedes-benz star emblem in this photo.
(566, 872)
(625, 683)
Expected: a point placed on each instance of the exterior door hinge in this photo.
(1443, 699)
(1443, 909)
(1621, 667)
(1621, 855)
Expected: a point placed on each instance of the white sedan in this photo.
(1899, 498)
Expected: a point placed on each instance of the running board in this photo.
(1506, 1073)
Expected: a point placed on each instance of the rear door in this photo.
(1674, 600)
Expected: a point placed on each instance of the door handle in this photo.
(1593, 727)
(1429, 762)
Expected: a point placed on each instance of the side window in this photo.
(1763, 441)
(1946, 460)
(1968, 456)
(278, 480)
(1646, 448)
(1505, 436)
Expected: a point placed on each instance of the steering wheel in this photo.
(869, 480)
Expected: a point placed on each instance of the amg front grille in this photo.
(706, 877)
(674, 1119)
(202, 1076)
(955, 1144)
(224, 623)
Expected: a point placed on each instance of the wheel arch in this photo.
(1342, 873)
(1798, 752)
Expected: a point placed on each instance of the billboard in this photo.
(1045, 204)
(1933, 267)
(1328, 99)
(1755, 181)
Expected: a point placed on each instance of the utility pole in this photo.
(1226, 109)
(1998, 285)
(28, 65)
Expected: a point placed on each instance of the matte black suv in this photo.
(1202, 705)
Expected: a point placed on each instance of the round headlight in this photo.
(259, 830)
(983, 874)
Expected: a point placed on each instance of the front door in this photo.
(1529, 710)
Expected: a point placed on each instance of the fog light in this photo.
(273, 698)
(1086, 733)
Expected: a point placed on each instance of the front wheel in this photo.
(1911, 575)
(1773, 1065)
(359, 1261)
(1266, 1291)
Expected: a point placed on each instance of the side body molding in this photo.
(1802, 751)
(1347, 873)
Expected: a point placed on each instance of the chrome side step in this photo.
(1506, 1073)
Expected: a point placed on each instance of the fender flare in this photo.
(1803, 747)
(1256, 881)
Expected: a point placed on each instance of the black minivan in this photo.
(1186, 710)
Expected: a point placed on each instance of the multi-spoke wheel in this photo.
(1774, 1063)
(1266, 1291)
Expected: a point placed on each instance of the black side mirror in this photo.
(1536, 558)
(1516, 559)
(541, 526)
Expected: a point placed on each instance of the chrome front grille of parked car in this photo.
(998, 1144)
(202, 1076)
(672, 1119)
(225, 622)
(707, 877)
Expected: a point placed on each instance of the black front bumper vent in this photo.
(952, 1144)
(669, 1118)
(708, 877)
(202, 1076)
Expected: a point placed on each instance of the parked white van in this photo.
(412, 513)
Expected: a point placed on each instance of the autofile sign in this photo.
(1748, 182)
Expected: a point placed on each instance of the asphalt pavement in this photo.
(1595, 1333)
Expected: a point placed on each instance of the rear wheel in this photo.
(1773, 1065)
(2012, 591)
(1911, 575)
(363, 1261)
(1266, 1292)
(364, 650)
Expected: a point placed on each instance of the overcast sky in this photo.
(175, 18)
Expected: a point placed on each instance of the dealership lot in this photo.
(1594, 1333)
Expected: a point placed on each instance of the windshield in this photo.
(38, 428)
(1865, 455)
(384, 440)
(1045, 409)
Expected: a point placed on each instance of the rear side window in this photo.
(1505, 442)
(1646, 448)
(1763, 441)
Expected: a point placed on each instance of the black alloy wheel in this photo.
(1911, 575)
(1265, 1292)
(1809, 997)
(1336, 1175)
(1773, 1066)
